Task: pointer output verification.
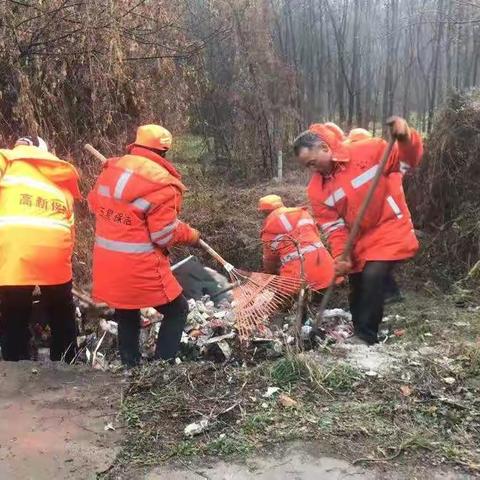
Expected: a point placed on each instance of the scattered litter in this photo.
(194, 429)
(392, 318)
(371, 373)
(270, 391)
(109, 326)
(109, 427)
(335, 325)
(210, 334)
(287, 401)
(337, 313)
(306, 331)
(406, 390)
(449, 380)
(34, 371)
(400, 332)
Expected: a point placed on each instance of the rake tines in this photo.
(258, 297)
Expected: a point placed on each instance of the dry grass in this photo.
(424, 411)
(444, 193)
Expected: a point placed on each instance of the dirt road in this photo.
(52, 426)
(52, 421)
(298, 461)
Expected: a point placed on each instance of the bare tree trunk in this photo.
(354, 78)
(436, 65)
(388, 85)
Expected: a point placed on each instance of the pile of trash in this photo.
(209, 334)
(335, 326)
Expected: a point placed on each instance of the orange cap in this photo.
(269, 202)
(358, 134)
(153, 136)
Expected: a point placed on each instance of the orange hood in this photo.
(58, 171)
(339, 150)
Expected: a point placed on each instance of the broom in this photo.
(256, 295)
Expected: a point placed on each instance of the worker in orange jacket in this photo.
(392, 290)
(288, 233)
(37, 191)
(136, 201)
(342, 174)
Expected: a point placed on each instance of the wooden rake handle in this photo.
(356, 225)
(227, 266)
(93, 151)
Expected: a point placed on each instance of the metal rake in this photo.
(256, 296)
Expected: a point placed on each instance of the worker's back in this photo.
(36, 217)
(286, 228)
(136, 201)
(291, 233)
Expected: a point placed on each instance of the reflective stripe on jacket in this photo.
(136, 202)
(290, 232)
(386, 231)
(36, 217)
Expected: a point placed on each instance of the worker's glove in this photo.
(399, 129)
(342, 267)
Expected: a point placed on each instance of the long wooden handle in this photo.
(356, 225)
(92, 150)
(229, 267)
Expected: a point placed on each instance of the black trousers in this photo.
(168, 340)
(392, 290)
(16, 310)
(367, 295)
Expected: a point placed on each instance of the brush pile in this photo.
(444, 193)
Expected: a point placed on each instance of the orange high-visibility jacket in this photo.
(136, 201)
(386, 231)
(281, 229)
(36, 217)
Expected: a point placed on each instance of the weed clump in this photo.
(444, 193)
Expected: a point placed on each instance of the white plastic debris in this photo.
(225, 348)
(290, 340)
(109, 427)
(99, 362)
(220, 338)
(337, 313)
(196, 428)
(109, 326)
(270, 392)
(306, 331)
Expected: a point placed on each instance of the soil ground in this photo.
(402, 410)
(52, 421)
